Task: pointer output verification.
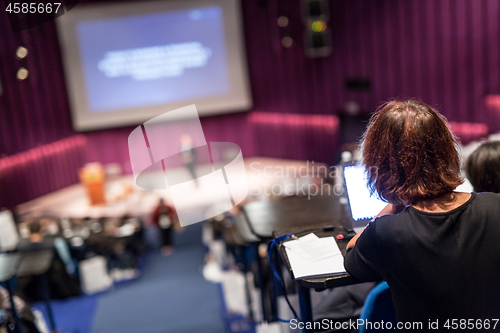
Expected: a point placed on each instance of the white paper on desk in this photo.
(312, 248)
(303, 268)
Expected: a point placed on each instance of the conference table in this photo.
(325, 215)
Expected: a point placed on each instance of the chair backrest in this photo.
(378, 306)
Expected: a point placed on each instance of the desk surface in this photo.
(296, 213)
(300, 216)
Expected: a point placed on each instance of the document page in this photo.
(311, 256)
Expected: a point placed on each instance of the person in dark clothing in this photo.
(483, 167)
(164, 218)
(136, 244)
(36, 241)
(441, 254)
(342, 303)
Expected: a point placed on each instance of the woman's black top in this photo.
(438, 265)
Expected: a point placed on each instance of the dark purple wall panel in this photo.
(446, 52)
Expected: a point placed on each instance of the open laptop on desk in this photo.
(364, 207)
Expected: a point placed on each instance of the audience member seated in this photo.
(61, 284)
(50, 227)
(342, 304)
(121, 255)
(439, 256)
(483, 167)
(136, 243)
(77, 236)
(35, 241)
(120, 241)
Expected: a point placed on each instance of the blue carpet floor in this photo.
(171, 296)
(73, 315)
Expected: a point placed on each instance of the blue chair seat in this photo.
(378, 306)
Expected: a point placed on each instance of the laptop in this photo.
(364, 207)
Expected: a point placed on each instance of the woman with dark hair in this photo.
(441, 254)
(483, 167)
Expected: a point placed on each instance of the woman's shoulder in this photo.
(488, 200)
(389, 224)
(484, 201)
(395, 226)
(487, 196)
(392, 218)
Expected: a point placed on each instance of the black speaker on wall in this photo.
(316, 20)
(358, 84)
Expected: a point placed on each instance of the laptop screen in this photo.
(363, 206)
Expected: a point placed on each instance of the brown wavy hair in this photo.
(409, 153)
